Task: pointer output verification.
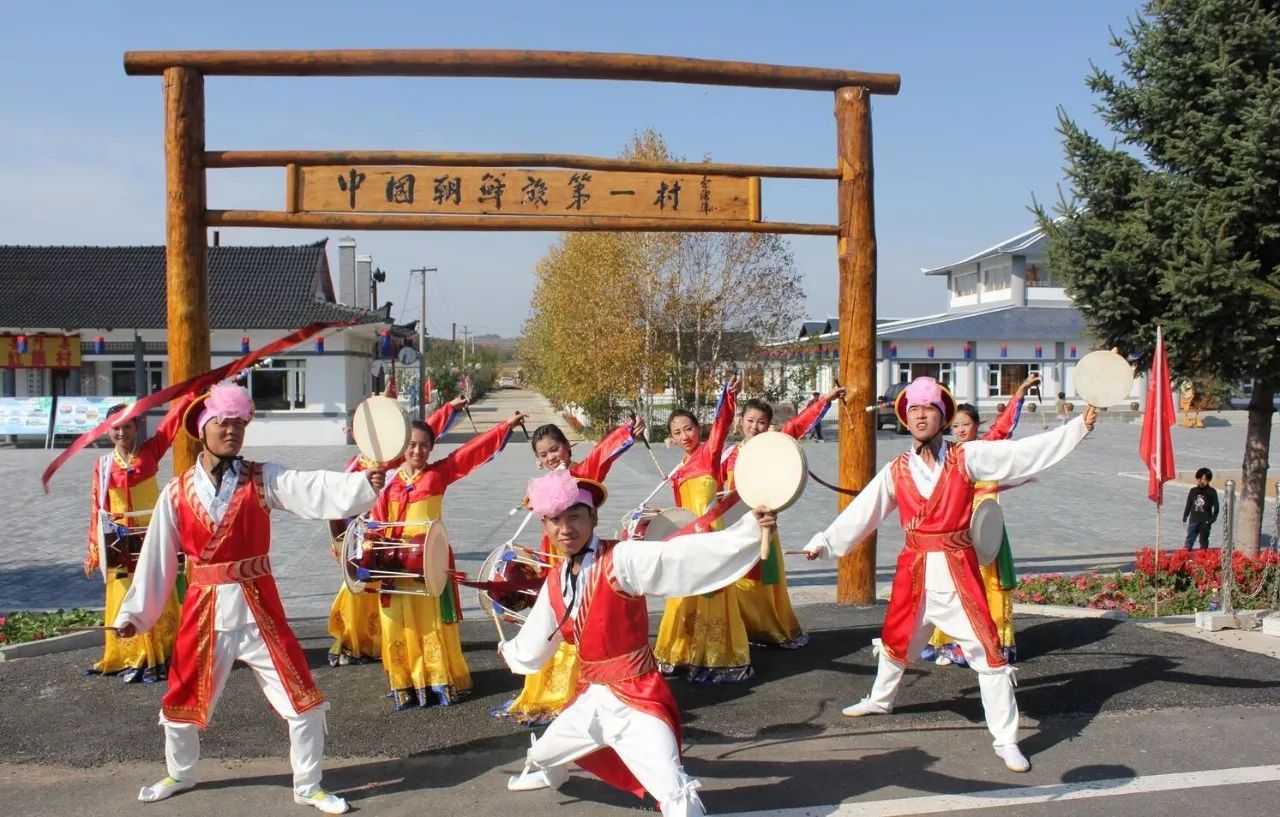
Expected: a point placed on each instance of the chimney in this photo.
(347, 271)
(364, 280)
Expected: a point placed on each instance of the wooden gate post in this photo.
(186, 248)
(856, 252)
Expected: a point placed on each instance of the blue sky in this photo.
(958, 152)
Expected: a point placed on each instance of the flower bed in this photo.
(1188, 582)
(18, 628)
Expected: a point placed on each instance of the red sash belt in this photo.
(619, 668)
(241, 570)
(937, 542)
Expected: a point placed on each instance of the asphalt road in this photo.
(1101, 701)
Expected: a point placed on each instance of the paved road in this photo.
(1090, 510)
(1141, 720)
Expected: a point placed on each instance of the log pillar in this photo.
(856, 252)
(186, 248)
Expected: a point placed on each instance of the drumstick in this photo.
(498, 623)
(644, 439)
(98, 628)
(467, 409)
(795, 553)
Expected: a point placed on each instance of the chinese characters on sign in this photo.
(523, 192)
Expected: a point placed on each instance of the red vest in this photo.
(611, 629)
(937, 524)
(233, 551)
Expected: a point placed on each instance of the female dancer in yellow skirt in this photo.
(998, 578)
(124, 483)
(703, 637)
(546, 692)
(421, 649)
(354, 619)
(762, 593)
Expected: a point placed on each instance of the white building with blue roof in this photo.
(1007, 317)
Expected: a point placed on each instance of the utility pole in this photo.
(422, 344)
(464, 348)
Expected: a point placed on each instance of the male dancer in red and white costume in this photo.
(218, 513)
(937, 580)
(623, 724)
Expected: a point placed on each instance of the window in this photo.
(996, 279)
(938, 371)
(123, 382)
(965, 285)
(280, 385)
(1004, 378)
(1038, 276)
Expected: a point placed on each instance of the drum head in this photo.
(380, 428)
(352, 545)
(635, 522)
(666, 524)
(771, 471)
(1103, 378)
(987, 530)
(435, 560)
(106, 533)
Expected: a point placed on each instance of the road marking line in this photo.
(1028, 795)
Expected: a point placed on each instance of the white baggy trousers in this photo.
(943, 609)
(306, 730)
(598, 719)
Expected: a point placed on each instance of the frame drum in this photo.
(380, 428)
(666, 524)
(986, 529)
(771, 472)
(1103, 378)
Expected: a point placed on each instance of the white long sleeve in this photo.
(529, 650)
(859, 519)
(317, 494)
(688, 565)
(1004, 460)
(157, 570)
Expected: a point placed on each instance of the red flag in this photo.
(1156, 444)
(427, 389)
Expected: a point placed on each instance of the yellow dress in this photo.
(766, 606)
(355, 622)
(999, 599)
(704, 637)
(421, 646)
(144, 657)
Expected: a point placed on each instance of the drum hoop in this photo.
(355, 530)
(1105, 376)
(754, 461)
(372, 418)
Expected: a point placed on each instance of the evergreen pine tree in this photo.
(1178, 223)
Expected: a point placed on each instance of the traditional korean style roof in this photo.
(282, 287)
(1004, 323)
(1018, 244)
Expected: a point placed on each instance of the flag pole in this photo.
(1158, 418)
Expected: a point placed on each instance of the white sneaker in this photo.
(942, 660)
(165, 788)
(533, 779)
(323, 800)
(1013, 757)
(865, 707)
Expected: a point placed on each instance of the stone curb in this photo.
(1066, 611)
(48, 646)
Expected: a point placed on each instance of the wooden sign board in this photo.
(520, 192)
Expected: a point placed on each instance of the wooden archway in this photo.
(186, 162)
